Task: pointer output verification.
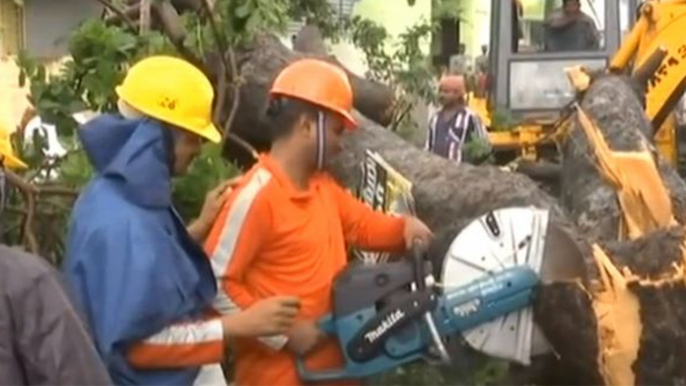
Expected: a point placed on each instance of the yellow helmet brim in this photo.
(211, 133)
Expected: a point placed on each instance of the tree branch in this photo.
(27, 190)
(242, 143)
(236, 86)
(230, 71)
(119, 12)
(144, 17)
(221, 93)
(57, 191)
(172, 28)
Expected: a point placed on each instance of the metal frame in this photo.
(633, 10)
(501, 38)
(18, 12)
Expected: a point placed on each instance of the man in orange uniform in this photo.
(285, 227)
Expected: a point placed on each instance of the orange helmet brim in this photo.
(350, 122)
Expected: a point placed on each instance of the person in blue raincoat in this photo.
(142, 279)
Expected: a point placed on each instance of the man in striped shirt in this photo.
(454, 124)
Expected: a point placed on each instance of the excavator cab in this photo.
(531, 46)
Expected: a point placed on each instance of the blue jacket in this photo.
(132, 265)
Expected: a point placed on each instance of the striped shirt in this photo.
(446, 136)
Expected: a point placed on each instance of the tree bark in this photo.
(144, 23)
(309, 41)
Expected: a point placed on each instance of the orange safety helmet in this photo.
(320, 83)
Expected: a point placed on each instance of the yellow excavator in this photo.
(528, 88)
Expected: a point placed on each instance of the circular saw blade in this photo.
(496, 241)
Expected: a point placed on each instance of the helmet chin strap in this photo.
(169, 138)
(321, 140)
(3, 185)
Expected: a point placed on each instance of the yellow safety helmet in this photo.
(9, 158)
(173, 91)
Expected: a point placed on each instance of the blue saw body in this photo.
(380, 313)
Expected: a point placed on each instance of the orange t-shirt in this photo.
(272, 239)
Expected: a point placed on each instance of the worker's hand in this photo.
(271, 316)
(304, 337)
(416, 229)
(214, 200)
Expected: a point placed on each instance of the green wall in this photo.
(395, 15)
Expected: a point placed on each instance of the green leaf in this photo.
(252, 23)
(208, 170)
(243, 10)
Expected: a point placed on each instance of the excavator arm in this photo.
(529, 87)
(659, 32)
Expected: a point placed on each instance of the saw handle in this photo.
(418, 253)
(418, 250)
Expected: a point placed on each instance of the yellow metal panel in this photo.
(665, 140)
(524, 138)
(663, 27)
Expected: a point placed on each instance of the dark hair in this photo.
(283, 113)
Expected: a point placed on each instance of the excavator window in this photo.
(560, 25)
(541, 38)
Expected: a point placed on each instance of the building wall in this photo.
(475, 25)
(50, 22)
(47, 25)
(395, 15)
(12, 97)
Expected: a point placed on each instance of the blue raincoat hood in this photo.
(134, 152)
(131, 264)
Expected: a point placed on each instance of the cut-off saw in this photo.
(390, 314)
